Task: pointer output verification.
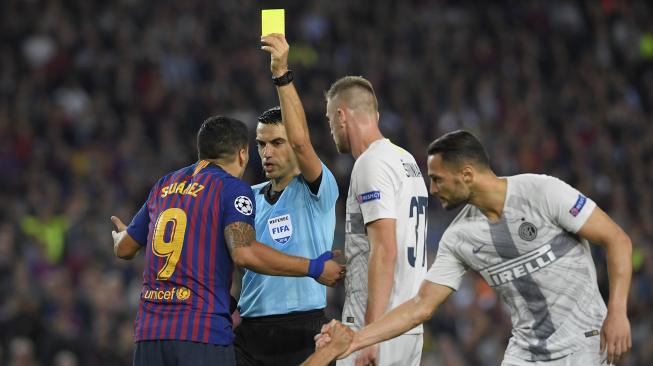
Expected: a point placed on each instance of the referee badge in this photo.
(280, 228)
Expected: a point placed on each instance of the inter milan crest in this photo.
(527, 231)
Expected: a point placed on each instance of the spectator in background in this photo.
(21, 353)
(49, 230)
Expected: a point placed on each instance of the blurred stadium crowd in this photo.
(99, 98)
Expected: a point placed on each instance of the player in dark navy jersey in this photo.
(196, 223)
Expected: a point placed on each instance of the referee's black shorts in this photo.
(179, 353)
(277, 340)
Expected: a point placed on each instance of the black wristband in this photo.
(284, 79)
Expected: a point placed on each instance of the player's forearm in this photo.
(120, 253)
(396, 322)
(125, 247)
(263, 259)
(321, 357)
(380, 276)
(619, 257)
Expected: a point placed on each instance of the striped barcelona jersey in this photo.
(188, 269)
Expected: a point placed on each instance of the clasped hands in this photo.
(336, 336)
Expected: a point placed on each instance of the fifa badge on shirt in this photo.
(280, 228)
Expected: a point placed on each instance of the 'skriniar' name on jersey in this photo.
(412, 169)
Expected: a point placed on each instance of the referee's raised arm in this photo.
(292, 111)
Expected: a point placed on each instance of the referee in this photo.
(295, 214)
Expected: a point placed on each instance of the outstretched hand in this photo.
(120, 227)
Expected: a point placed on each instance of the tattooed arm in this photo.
(247, 252)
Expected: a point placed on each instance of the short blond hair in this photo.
(356, 91)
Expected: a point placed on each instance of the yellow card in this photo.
(272, 21)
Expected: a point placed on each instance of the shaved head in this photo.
(356, 92)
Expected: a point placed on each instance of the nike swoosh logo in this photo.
(478, 249)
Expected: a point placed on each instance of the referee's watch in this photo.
(284, 79)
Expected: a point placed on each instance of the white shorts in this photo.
(584, 358)
(405, 350)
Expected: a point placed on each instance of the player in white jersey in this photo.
(385, 228)
(527, 235)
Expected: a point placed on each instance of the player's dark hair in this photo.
(459, 147)
(271, 116)
(221, 138)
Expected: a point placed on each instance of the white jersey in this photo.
(385, 183)
(535, 261)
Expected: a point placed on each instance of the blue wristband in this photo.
(316, 266)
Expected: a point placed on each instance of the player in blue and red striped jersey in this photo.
(196, 223)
